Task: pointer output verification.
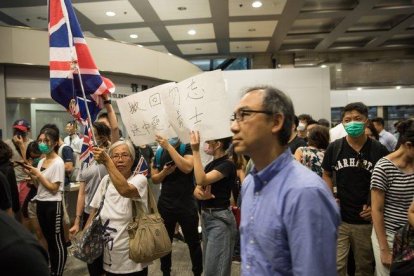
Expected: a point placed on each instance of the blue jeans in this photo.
(219, 232)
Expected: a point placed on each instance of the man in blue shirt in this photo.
(289, 217)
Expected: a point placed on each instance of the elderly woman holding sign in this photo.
(117, 189)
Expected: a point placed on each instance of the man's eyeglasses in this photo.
(241, 115)
(120, 156)
(361, 164)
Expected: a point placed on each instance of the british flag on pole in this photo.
(75, 80)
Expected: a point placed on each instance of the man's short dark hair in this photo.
(276, 101)
(357, 106)
(305, 117)
(378, 120)
(102, 129)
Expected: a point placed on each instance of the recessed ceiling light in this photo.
(257, 4)
(110, 13)
(192, 32)
(139, 45)
(252, 30)
(104, 38)
(323, 66)
(398, 87)
(359, 88)
(169, 54)
(182, 8)
(33, 98)
(133, 36)
(338, 70)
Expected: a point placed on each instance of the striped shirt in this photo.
(399, 191)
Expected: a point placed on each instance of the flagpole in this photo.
(76, 67)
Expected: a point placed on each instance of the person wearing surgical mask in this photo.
(49, 176)
(214, 185)
(173, 167)
(304, 120)
(349, 163)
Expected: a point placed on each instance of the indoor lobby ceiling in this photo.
(198, 28)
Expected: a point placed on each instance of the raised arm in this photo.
(113, 122)
(183, 163)
(120, 183)
(202, 178)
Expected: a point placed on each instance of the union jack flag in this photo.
(87, 145)
(72, 68)
(141, 168)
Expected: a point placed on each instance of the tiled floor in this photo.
(180, 259)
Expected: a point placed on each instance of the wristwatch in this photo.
(107, 101)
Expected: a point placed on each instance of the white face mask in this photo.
(301, 127)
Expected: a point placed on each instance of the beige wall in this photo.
(27, 46)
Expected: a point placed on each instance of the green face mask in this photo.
(354, 129)
(44, 148)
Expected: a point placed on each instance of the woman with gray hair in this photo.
(119, 187)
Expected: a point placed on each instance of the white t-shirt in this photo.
(116, 213)
(55, 173)
(337, 132)
(75, 143)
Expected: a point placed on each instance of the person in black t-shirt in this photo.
(20, 253)
(349, 163)
(214, 184)
(176, 202)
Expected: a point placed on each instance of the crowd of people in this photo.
(313, 200)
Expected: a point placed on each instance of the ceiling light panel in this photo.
(144, 35)
(252, 29)
(158, 48)
(203, 31)
(244, 7)
(181, 9)
(198, 48)
(96, 12)
(248, 46)
(35, 17)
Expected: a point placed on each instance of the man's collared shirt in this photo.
(388, 140)
(289, 222)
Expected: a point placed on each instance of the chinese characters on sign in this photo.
(174, 109)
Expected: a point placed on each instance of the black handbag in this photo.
(89, 244)
(403, 252)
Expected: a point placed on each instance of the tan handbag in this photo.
(148, 237)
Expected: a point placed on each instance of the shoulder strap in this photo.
(337, 146)
(158, 154)
(138, 209)
(182, 149)
(103, 196)
(60, 150)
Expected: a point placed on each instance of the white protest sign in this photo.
(174, 109)
(143, 115)
(200, 103)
